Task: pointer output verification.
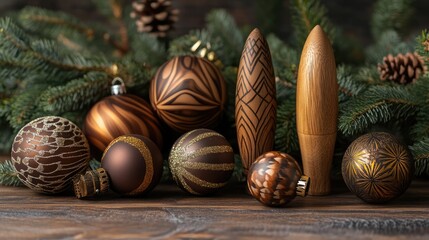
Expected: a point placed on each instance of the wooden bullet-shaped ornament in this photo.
(255, 100)
(317, 109)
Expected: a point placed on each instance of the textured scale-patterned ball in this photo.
(48, 152)
(187, 93)
(377, 167)
(119, 115)
(273, 178)
(133, 164)
(201, 161)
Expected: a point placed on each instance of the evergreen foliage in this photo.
(53, 63)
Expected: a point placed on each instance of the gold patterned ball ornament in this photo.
(377, 167)
(48, 152)
(275, 178)
(188, 93)
(201, 161)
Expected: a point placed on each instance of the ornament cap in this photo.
(302, 186)
(118, 89)
(91, 183)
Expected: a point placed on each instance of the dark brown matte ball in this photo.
(48, 152)
(377, 167)
(201, 161)
(119, 115)
(187, 93)
(133, 163)
(273, 178)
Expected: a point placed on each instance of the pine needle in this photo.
(8, 175)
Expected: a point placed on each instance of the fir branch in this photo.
(420, 151)
(422, 47)
(390, 15)
(348, 85)
(8, 175)
(306, 14)
(388, 42)
(285, 59)
(222, 25)
(286, 139)
(377, 105)
(148, 49)
(94, 164)
(23, 106)
(76, 94)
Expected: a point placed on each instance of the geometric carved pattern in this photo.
(377, 167)
(48, 152)
(255, 102)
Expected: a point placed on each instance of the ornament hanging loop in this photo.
(118, 86)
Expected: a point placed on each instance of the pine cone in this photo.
(154, 16)
(402, 69)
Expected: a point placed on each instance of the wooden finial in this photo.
(317, 109)
(255, 100)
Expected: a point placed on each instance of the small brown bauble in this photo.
(133, 164)
(48, 152)
(187, 93)
(377, 167)
(118, 115)
(201, 161)
(275, 178)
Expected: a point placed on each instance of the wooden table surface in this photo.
(170, 213)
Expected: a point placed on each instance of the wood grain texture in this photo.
(169, 213)
(255, 101)
(317, 109)
(187, 93)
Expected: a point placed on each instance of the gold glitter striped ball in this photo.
(119, 115)
(133, 163)
(201, 161)
(377, 167)
(187, 93)
(273, 178)
(48, 152)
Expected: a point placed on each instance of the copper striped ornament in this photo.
(119, 115)
(48, 152)
(187, 93)
(255, 101)
(201, 161)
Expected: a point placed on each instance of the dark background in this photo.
(353, 17)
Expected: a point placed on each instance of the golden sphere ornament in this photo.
(201, 161)
(120, 114)
(48, 152)
(188, 93)
(377, 167)
(275, 178)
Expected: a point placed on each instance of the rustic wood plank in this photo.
(170, 213)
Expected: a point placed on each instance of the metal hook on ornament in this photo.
(118, 86)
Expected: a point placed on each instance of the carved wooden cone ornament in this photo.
(255, 101)
(317, 109)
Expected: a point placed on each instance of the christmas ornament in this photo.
(377, 167)
(255, 101)
(275, 178)
(133, 163)
(201, 161)
(91, 183)
(317, 109)
(403, 69)
(118, 115)
(48, 152)
(203, 48)
(155, 17)
(187, 93)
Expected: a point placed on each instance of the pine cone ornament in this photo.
(155, 17)
(402, 69)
